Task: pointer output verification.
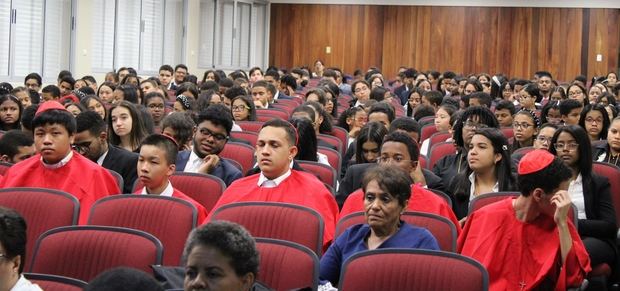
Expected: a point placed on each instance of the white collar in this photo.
(275, 181)
(167, 192)
(472, 188)
(102, 157)
(24, 285)
(62, 162)
(193, 163)
(577, 181)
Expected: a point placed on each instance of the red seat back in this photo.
(287, 102)
(167, 218)
(412, 269)
(332, 140)
(333, 157)
(242, 153)
(342, 134)
(82, 252)
(325, 173)
(426, 120)
(276, 220)
(439, 151)
(489, 198)
(43, 209)
(438, 137)
(440, 227)
(286, 265)
(205, 189)
(253, 126)
(55, 283)
(612, 173)
(248, 136)
(523, 151)
(273, 113)
(427, 131)
(423, 161)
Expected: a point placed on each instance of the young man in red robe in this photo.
(156, 163)
(400, 150)
(277, 182)
(56, 166)
(529, 242)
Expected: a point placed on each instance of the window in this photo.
(143, 34)
(232, 34)
(36, 38)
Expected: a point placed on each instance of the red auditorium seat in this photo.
(285, 265)
(439, 151)
(276, 220)
(440, 227)
(327, 174)
(43, 209)
(253, 126)
(82, 252)
(167, 218)
(240, 152)
(205, 189)
(411, 269)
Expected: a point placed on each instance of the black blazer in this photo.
(353, 181)
(123, 162)
(600, 213)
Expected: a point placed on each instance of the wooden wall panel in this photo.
(513, 41)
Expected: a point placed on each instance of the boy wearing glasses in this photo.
(212, 134)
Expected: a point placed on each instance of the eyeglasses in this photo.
(240, 108)
(360, 89)
(473, 125)
(521, 125)
(156, 106)
(592, 120)
(569, 146)
(217, 136)
(574, 93)
(385, 160)
(83, 147)
(544, 139)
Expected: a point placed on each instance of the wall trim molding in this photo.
(470, 3)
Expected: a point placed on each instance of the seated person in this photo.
(223, 248)
(214, 125)
(386, 195)
(591, 194)
(277, 182)
(609, 151)
(307, 148)
(91, 140)
(56, 166)
(489, 169)
(16, 146)
(472, 118)
(156, 165)
(13, 249)
(541, 142)
(181, 127)
(529, 242)
(400, 150)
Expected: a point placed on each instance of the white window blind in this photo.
(28, 37)
(258, 35)
(206, 33)
(103, 35)
(127, 36)
(174, 22)
(57, 41)
(225, 32)
(6, 18)
(241, 43)
(151, 43)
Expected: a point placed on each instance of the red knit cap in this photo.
(535, 161)
(49, 105)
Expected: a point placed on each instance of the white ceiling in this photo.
(478, 3)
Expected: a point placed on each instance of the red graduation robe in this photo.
(80, 177)
(299, 188)
(421, 200)
(522, 256)
(202, 211)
